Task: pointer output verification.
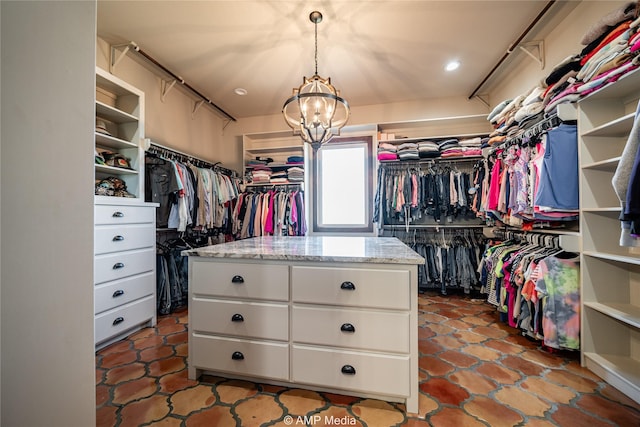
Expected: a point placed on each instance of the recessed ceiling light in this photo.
(453, 65)
(240, 91)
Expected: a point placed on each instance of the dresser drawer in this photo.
(123, 264)
(112, 294)
(114, 214)
(351, 287)
(242, 357)
(363, 372)
(242, 319)
(238, 280)
(358, 329)
(114, 322)
(115, 238)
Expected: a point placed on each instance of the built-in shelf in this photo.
(107, 112)
(608, 165)
(263, 150)
(613, 257)
(614, 209)
(459, 137)
(271, 184)
(620, 371)
(434, 160)
(274, 166)
(627, 313)
(115, 170)
(617, 127)
(113, 142)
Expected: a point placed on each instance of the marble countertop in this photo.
(381, 250)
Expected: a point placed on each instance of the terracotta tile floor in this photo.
(474, 371)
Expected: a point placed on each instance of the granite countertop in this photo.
(382, 250)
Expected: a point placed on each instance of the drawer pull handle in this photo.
(118, 265)
(237, 318)
(347, 327)
(348, 370)
(237, 356)
(118, 214)
(118, 238)
(118, 320)
(118, 293)
(348, 286)
(237, 279)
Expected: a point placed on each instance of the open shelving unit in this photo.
(610, 273)
(121, 107)
(276, 145)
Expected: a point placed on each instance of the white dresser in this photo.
(124, 268)
(337, 314)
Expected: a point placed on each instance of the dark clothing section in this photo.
(426, 194)
(451, 258)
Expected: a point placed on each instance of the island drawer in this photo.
(353, 328)
(240, 280)
(376, 288)
(243, 319)
(241, 357)
(346, 370)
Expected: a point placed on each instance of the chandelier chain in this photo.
(316, 55)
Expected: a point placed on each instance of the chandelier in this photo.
(316, 111)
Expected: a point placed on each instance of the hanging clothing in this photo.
(189, 196)
(270, 213)
(535, 288)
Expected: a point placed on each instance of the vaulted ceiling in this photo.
(374, 51)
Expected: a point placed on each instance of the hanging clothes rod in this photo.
(159, 149)
(136, 48)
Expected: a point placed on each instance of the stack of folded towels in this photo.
(279, 177)
(428, 149)
(387, 151)
(471, 146)
(449, 148)
(408, 151)
(261, 174)
(295, 174)
(295, 160)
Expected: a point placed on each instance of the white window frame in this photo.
(317, 225)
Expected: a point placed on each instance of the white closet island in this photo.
(336, 314)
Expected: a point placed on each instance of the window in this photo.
(343, 186)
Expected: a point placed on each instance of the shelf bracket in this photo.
(118, 52)
(226, 123)
(538, 51)
(196, 107)
(481, 99)
(167, 85)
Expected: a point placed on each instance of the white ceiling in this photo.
(374, 51)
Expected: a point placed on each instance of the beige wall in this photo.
(48, 360)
